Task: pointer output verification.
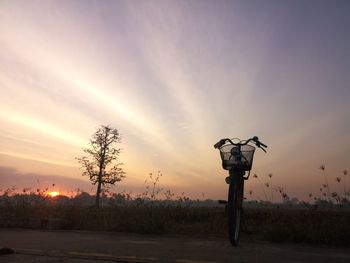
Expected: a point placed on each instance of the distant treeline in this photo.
(126, 199)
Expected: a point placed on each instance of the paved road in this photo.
(33, 246)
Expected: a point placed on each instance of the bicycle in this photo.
(238, 159)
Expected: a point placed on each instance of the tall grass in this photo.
(289, 224)
(159, 211)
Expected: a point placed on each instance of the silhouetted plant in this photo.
(262, 187)
(271, 188)
(346, 190)
(169, 195)
(326, 185)
(152, 189)
(102, 154)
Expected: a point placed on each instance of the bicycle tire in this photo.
(234, 206)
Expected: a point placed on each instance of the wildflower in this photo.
(334, 194)
(310, 195)
(267, 184)
(322, 167)
(338, 179)
(250, 192)
(324, 185)
(284, 195)
(321, 189)
(255, 176)
(269, 175)
(345, 172)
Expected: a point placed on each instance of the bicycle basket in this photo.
(232, 158)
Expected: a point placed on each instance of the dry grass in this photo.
(146, 213)
(329, 227)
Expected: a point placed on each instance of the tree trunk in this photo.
(102, 155)
(98, 193)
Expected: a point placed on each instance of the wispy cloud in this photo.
(173, 77)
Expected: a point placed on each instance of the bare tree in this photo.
(101, 164)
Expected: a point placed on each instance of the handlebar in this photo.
(254, 139)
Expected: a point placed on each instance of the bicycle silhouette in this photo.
(238, 159)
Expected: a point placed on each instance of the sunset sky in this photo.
(174, 77)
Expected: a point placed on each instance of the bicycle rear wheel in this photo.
(235, 199)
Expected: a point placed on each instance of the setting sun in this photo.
(53, 194)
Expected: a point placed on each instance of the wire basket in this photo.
(235, 159)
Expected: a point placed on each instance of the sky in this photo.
(174, 77)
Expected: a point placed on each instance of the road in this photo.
(33, 246)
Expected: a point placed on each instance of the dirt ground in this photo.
(34, 246)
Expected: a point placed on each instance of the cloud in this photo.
(11, 177)
(173, 78)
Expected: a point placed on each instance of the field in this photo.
(277, 224)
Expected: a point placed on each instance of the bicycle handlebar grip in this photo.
(217, 145)
(220, 143)
(264, 145)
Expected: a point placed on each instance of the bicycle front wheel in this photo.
(235, 200)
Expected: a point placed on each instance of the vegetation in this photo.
(340, 195)
(322, 220)
(101, 164)
(123, 213)
(298, 224)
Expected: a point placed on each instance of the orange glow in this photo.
(53, 194)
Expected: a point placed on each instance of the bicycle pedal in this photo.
(224, 202)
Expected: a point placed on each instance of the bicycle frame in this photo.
(236, 179)
(235, 204)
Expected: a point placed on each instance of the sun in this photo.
(53, 194)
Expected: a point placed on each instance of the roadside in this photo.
(85, 246)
